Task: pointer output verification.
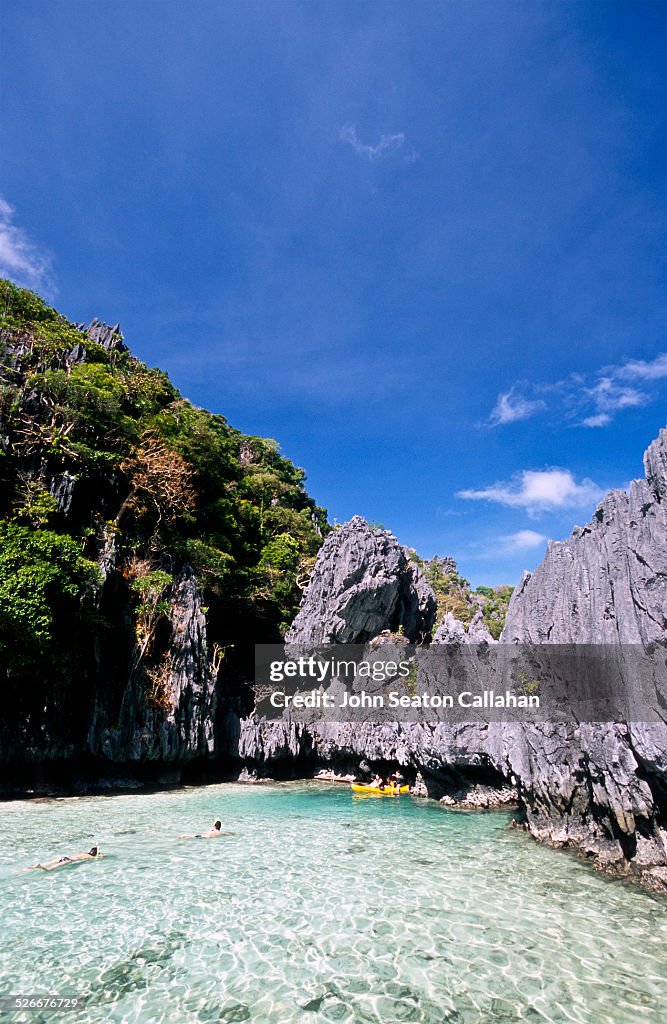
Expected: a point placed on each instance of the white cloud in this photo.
(539, 491)
(609, 397)
(387, 143)
(639, 369)
(592, 402)
(20, 259)
(510, 408)
(523, 540)
(601, 419)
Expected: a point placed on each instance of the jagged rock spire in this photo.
(110, 338)
(363, 582)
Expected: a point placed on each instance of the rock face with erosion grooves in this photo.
(452, 631)
(168, 719)
(363, 582)
(607, 583)
(598, 787)
(601, 787)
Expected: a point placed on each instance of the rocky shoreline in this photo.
(186, 715)
(597, 787)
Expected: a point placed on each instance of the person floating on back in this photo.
(212, 833)
(60, 862)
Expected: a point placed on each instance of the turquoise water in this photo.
(317, 907)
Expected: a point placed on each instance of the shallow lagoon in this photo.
(319, 906)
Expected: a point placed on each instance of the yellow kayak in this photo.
(374, 791)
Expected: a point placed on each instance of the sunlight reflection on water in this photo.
(317, 907)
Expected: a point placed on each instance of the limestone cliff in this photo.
(144, 544)
(143, 540)
(608, 582)
(601, 787)
(598, 787)
(174, 721)
(363, 582)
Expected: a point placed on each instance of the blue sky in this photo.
(419, 244)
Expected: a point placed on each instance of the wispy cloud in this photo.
(609, 397)
(591, 401)
(511, 407)
(523, 540)
(539, 491)
(640, 369)
(600, 419)
(20, 259)
(386, 145)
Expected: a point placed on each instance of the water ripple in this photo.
(419, 915)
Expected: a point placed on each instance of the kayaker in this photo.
(377, 783)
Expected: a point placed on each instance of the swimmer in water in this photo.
(59, 862)
(212, 833)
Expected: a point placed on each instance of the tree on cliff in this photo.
(102, 461)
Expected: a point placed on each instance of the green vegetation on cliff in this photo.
(114, 491)
(100, 454)
(454, 594)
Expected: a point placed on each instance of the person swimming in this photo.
(93, 854)
(212, 833)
